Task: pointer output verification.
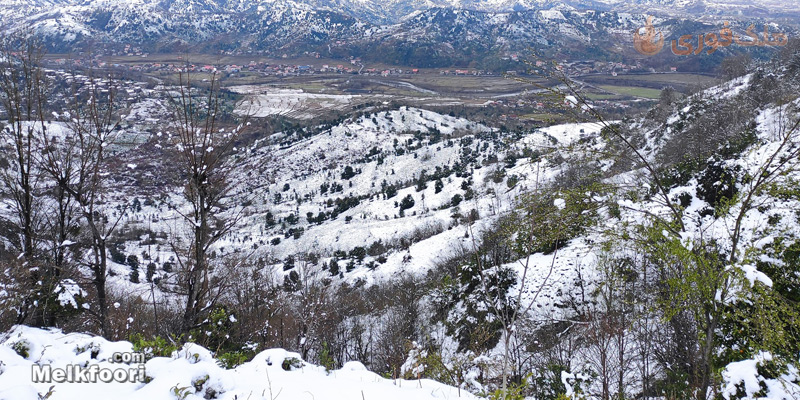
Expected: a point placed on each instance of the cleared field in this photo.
(546, 117)
(601, 96)
(263, 101)
(481, 86)
(671, 78)
(634, 91)
(422, 86)
(681, 82)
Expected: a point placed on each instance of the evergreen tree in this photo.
(348, 173)
(406, 203)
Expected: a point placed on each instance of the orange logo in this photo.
(646, 44)
(709, 42)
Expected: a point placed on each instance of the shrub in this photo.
(325, 358)
(291, 364)
(22, 347)
(407, 203)
(348, 173)
(233, 359)
(157, 346)
(717, 184)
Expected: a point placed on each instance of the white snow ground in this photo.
(191, 373)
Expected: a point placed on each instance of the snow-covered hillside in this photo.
(302, 200)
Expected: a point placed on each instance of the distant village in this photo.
(281, 69)
(520, 108)
(353, 66)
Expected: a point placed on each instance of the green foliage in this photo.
(453, 371)
(117, 253)
(22, 348)
(151, 271)
(579, 382)
(514, 391)
(541, 225)
(156, 346)
(766, 321)
(391, 191)
(217, 334)
(781, 262)
(233, 359)
(547, 383)
(181, 392)
(216, 331)
(738, 143)
(326, 357)
(675, 385)
(680, 173)
(614, 210)
(788, 191)
(199, 382)
(435, 367)
(766, 318)
(133, 261)
(333, 267)
(717, 184)
(291, 364)
(512, 181)
(702, 294)
(48, 298)
(421, 182)
(479, 304)
(696, 285)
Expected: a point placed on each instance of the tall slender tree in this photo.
(201, 140)
(23, 94)
(78, 164)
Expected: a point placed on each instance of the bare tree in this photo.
(609, 340)
(23, 94)
(78, 163)
(256, 298)
(201, 143)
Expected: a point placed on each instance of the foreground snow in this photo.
(743, 380)
(191, 373)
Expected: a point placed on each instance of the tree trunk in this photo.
(197, 280)
(99, 269)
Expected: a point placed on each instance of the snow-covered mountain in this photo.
(151, 22)
(391, 31)
(373, 11)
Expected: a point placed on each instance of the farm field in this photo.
(633, 91)
(681, 82)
